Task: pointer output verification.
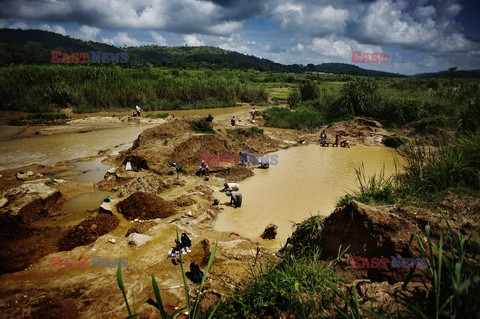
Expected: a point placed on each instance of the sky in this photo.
(419, 36)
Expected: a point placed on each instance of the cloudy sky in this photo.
(419, 35)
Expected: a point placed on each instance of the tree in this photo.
(293, 99)
(451, 74)
(309, 91)
(359, 96)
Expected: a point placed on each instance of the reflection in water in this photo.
(77, 208)
(89, 172)
(308, 180)
(48, 150)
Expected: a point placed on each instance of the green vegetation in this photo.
(294, 288)
(203, 125)
(39, 118)
(455, 282)
(374, 190)
(429, 106)
(394, 141)
(94, 88)
(157, 115)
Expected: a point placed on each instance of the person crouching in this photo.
(235, 198)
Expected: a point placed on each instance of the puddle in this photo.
(48, 150)
(79, 207)
(308, 180)
(89, 172)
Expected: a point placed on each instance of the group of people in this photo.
(253, 113)
(338, 141)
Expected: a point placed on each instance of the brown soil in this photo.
(145, 206)
(88, 231)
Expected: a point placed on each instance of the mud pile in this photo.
(144, 206)
(88, 231)
(369, 233)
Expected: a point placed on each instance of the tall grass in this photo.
(431, 170)
(294, 289)
(455, 281)
(374, 190)
(43, 88)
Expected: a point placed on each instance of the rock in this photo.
(3, 202)
(189, 213)
(112, 240)
(22, 176)
(270, 232)
(29, 173)
(138, 239)
(136, 220)
(106, 208)
(31, 201)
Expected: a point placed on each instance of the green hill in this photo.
(34, 46)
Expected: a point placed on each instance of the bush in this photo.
(309, 91)
(40, 118)
(202, 126)
(374, 190)
(157, 115)
(296, 289)
(293, 99)
(359, 96)
(394, 141)
(431, 170)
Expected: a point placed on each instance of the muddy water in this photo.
(76, 209)
(48, 150)
(308, 180)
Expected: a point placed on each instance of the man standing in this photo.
(235, 198)
(138, 109)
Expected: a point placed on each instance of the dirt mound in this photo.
(184, 201)
(145, 206)
(369, 233)
(162, 132)
(360, 129)
(189, 152)
(88, 231)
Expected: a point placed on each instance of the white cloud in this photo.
(340, 48)
(312, 19)
(87, 33)
(193, 40)
(158, 38)
(19, 25)
(3, 23)
(56, 28)
(123, 39)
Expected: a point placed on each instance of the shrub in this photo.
(394, 141)
(309, 91)
(293, 99)
(202, 126)
(39, 118)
